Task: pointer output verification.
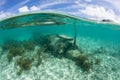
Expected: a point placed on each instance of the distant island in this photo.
(106, 20)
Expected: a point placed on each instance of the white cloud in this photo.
(42, 6)
(27, 9)
(80, 4)
(115, 4)
(99, 12)
(23, 9)
(34, 8)
(49, 4)
(4, 14)
(88, 0)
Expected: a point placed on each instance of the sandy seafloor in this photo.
(53, 68)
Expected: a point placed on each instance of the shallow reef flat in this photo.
(55, 57)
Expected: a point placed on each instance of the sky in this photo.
(91, 9)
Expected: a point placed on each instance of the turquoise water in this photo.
(22, 33)
(103, 31)
(27, 32)
(91, 37)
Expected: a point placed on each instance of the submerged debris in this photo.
(64, 37)
(61, 46)
(57, 45)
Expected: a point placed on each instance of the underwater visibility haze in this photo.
(57, 46)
